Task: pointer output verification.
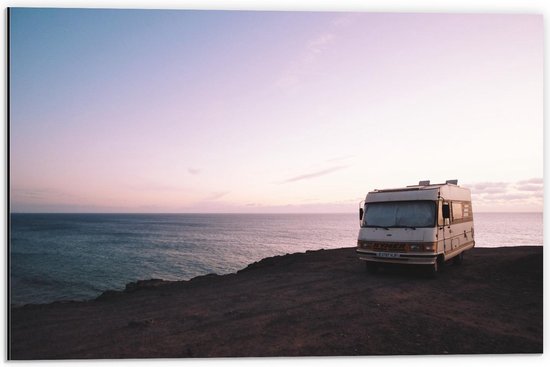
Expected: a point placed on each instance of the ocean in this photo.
(56, 257)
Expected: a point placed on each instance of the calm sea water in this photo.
(78, 256)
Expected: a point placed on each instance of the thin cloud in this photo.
(533, 185)
(535, 181)
(521, 194)
(321, 207)
(313, 50)
(345, 20)
(193, 171)
(529, 187)
(319, 44)
(40, 194)
(509, 196)
(30, 194)
(489, 186)
(311, 175)
(153, 186)
(216, 195)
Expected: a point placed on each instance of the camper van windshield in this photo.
(400, 214)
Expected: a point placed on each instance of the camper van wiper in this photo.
(411, 227)
(374, 226)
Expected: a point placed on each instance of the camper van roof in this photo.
(426, 186)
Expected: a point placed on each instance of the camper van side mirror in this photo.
(446, 211)
(360, 213)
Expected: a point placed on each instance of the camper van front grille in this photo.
(383, 246)
(396, 246)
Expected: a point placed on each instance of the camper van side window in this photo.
(440, 221)
(457, 210)
(467, 210)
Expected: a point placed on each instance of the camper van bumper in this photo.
(397, 258)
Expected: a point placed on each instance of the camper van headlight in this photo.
(364, 244)
(429, 247)
(422, 247)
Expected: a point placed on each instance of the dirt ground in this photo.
(320, 303)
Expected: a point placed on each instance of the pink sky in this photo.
(203, 111)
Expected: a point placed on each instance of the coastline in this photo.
(317, 303)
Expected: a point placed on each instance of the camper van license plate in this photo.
(387, 254)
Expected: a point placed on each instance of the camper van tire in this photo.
(437, 267)
(433, 269)
(457, 260)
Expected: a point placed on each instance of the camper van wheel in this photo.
(458, 259)
(372, 267)
(440, 264)
(433, 269)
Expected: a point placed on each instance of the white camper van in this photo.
(425, 224)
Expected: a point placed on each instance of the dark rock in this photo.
(143, 284)
(108, 295)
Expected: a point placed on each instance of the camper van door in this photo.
(446, 231)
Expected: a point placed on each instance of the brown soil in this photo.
(320, 303)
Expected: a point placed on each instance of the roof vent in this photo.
(452, 182)
(424, 183)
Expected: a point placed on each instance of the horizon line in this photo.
(478, 212)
